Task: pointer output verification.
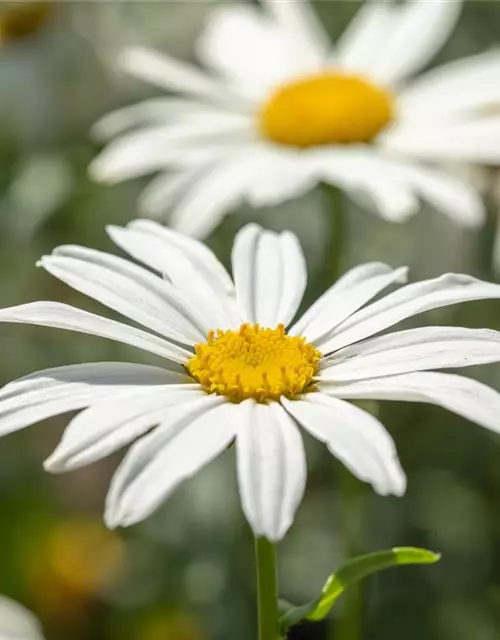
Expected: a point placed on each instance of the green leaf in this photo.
(352, 572)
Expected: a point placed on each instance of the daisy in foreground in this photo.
(235, 370)
(279, 110)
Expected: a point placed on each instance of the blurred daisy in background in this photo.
(233, 372)
(17, 623)
(21, 19)
(76, 562)
(278, 110)
(178, 625)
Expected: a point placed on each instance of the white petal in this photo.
(258, 274)
(335, 306)
(358, 439)
(63, 316)
(387, 197)
(281, 174)
(469, 398)
(413, 350)
(243, 258)
(155, 111)
(270, 275)
(203, 157)
(17, 623)
(214, 195)
(171, 74)
(248, 48)
(393, 184)
(54, 391)
(189, 437)
(271, 468)
(165, 191)
(476, 140)
(360, 45)
(408, 301)
(362, 172)
(261, 173)
(151, 149)
(295, 277)
(200, 255)
(189, 265)
(445, 192)
(299, 21)
(110, 423)
(129, 289)
(419, 31)
(453, 89)
(349, 279)
(132, 155)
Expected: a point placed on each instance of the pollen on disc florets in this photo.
(254, 362)
(328, 108)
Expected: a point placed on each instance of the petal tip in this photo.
(96, 171)
(403, 273)
(100, 170)
(113, 230)
(400, 484)
(111, 516)
(54, 464)
(111, 523)
(126, 58)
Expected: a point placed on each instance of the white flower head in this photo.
(236, 369)
(279, 109)
(17, 623)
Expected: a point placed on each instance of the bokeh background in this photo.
(187, 573)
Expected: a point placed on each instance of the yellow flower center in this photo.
(330, 108)
(254, 362)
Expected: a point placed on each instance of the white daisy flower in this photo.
(17, 623)
(278, 110)
(233, 371)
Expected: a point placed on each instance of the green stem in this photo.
(487, 239)
(336, 229)
(333, 254)
(348, 626)
(267, 589)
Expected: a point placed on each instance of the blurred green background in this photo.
(187, 573)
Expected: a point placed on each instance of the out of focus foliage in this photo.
(186, 574)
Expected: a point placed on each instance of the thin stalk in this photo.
(333, 254)
(348, 627)
(488, 238)
(337, 228)
(267, 589)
